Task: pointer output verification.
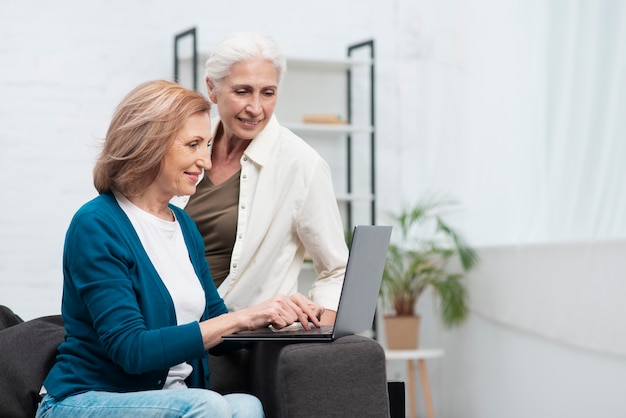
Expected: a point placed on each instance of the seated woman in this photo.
(139, 304)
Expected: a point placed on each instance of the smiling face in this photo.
(185, 159)
(246, 98)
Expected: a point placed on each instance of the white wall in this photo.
(491, 370)
(66, 65)
(64, 68)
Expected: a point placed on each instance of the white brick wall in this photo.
(65, 65)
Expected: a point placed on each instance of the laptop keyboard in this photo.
(297, 328)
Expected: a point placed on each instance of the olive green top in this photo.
(214, 209)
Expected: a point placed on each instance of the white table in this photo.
(420, 356)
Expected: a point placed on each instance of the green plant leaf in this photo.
(422, 259)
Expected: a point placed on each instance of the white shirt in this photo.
(286, 206)
(165, 245)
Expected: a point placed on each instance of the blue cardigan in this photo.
(121, 332)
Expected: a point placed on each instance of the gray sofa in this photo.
(345, 378)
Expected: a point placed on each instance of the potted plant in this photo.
(423, 258)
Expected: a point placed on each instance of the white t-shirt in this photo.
(165, 245)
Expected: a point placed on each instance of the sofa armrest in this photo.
(343, 378)
(27, 352)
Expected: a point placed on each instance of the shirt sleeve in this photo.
(320, 229)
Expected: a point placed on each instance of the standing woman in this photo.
(139, 304)
(268, 198)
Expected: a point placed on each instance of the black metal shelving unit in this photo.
(372, 122)
(190, 33)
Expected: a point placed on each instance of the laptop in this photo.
(359, 294)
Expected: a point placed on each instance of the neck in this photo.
(229, 149)
(226, 156)
(152, 206)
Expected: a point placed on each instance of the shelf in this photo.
(299, 63)
(327, 128)
(325, 64)
(354, 197)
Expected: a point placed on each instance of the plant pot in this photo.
(402, 332)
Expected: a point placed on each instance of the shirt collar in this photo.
(262, 146)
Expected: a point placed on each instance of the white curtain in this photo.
(564, 277)
(523, 120)
(584, 197)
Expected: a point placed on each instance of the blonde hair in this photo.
(142, 129)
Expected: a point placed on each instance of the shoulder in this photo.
(279, 139)
(100, 226)
(98, 217)
(103, 205)
(295, 149)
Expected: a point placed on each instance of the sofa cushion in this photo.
(27, 352)
(8, 318)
